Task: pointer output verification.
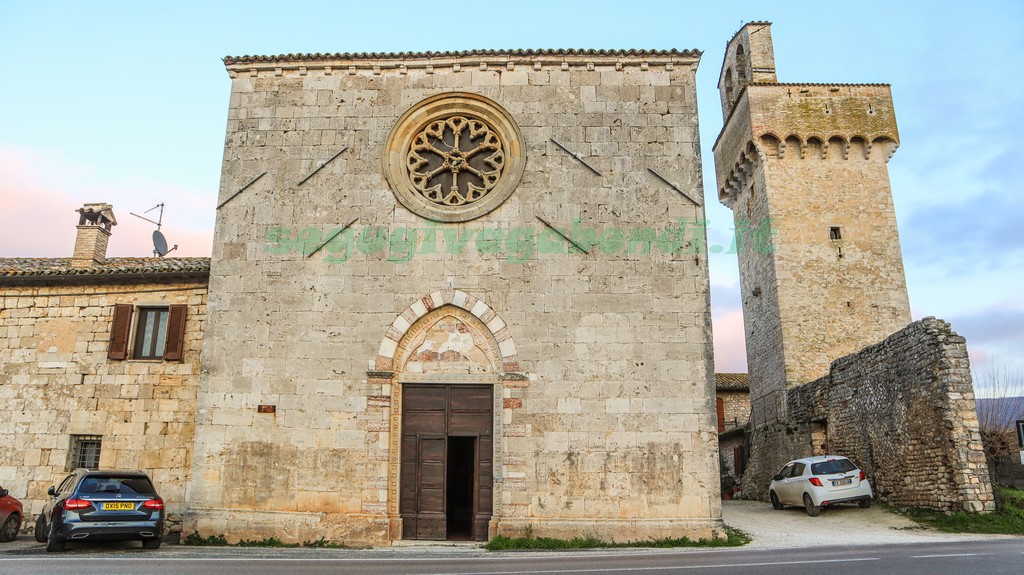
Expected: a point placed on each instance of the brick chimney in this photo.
(94, 223)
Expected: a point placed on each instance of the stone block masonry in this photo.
(903, 410)
(56, 381)
(599, 359)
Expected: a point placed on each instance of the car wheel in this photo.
(776, 504)
(864, 503)
(53, 544)
(152, 543)
(10, 529)
(812, 509)
(40, 530)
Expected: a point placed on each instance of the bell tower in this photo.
(803, 168)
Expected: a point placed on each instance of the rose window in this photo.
(454, 157)
(455, 161)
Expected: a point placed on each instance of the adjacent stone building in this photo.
(732, 398)
(99, 364)
(834, 366)
(455, 295)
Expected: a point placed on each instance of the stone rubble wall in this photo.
(903, 410)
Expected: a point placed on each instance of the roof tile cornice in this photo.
(821, 84)
(62, 267)
(519, 53)
(732, 382)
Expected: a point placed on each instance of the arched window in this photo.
(741, 66)
(728, 86)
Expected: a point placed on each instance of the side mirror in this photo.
(4, 492)
(51, 492)
(776, 477)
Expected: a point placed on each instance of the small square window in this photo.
(150, 333)
(84, 451)
(835, 234)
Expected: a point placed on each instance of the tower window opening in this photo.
(835, 234)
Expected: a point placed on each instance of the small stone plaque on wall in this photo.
(266, 409)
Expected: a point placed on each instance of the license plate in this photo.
(119, 506)
(838, 482)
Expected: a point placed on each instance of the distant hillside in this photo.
(1000, 410)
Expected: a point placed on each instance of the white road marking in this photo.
(948, 555)
(538, 572)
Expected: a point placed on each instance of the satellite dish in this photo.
(159, 243)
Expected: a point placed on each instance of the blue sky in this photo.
(126, 102)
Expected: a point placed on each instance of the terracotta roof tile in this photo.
(229, 60)
(732, 382)
(38, 267)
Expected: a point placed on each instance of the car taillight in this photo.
(154, 504)
(815, 481)
(863, 476)
(76, 504)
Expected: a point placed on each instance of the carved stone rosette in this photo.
(454, 157)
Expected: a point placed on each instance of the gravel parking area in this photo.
(842, 525)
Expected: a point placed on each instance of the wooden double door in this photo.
(447, 461)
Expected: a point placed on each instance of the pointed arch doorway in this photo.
(447, 360)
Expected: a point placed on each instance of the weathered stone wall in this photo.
(727, 445)
(735, 408)
(759, 292)
(736, 415)
(56, 380)
(903, 410)
(600, 362)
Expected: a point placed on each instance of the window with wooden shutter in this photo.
(175, 333)
(150, 333)
(119, 331)
(720, 408)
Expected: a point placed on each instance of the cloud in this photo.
(995, 336)
(730, 345)
(41, 196)
(980, 234)
(39, 219)
(992, 325)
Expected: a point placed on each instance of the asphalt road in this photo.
(967, 557)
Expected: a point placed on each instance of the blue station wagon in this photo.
(92, 505)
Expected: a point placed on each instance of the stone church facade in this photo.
(459, 294)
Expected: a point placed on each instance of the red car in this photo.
(11, 513)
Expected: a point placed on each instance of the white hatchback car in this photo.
(819, 481)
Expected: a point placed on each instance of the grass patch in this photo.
(220, 541)
(735, 538)
(200, 541)
(1008, 519)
